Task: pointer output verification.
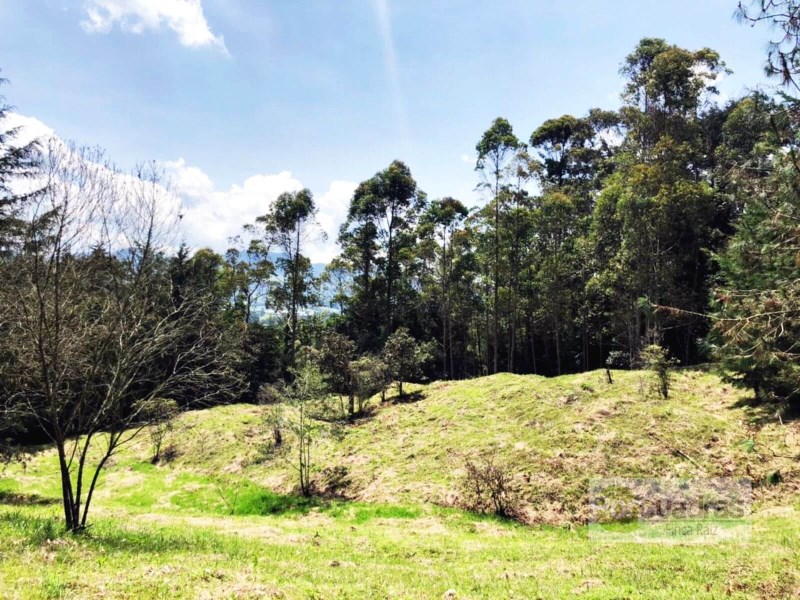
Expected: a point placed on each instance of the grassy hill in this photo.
(221, 519)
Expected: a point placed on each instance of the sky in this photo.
(241, 100)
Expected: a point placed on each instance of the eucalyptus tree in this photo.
(556, 265)
(377, 240)
(468, 304)
(577, 152)
(575, 155)
(337, 282)
(660, 198)
(399, 205)
(288, 227)
(444, 217)
(358, 239)
(246, 276)
(496, 149)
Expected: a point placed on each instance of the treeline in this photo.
(601, 234)
(671, 221)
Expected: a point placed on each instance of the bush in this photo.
(657, 360)
(488, 488)
(371, 376)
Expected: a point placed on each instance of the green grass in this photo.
(344, 555)
(222, 520)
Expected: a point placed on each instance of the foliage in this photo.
(371, 376)
(783, 55)
(403, 356)
(657, 360)
(757, 319)
(91, 329)
(335, 360)
(19, 165)
(288, 226)
(757, 300)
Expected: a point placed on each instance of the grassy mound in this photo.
(553, 436)
(222, 519)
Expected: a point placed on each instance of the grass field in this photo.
(221, 519)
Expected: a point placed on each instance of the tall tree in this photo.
(358, 238)
(497, 147)
(288, 226)
(660, 198)
(757, 299)
(444, 216)
(376, 239)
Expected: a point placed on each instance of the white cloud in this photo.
(184, 17)
(466, 158)
(333, 206)
(192, 181)
(212, 217)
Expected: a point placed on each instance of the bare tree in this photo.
(88, 319)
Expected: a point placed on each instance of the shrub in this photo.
(488, 488)
(371, 375)
(404, 356)
(657, 360)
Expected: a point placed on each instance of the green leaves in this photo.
(496, 144)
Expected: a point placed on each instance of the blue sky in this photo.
(242, 99)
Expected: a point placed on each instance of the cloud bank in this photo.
(211, 217)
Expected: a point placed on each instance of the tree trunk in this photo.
(389, 276)
(70, 518)
(496, 276)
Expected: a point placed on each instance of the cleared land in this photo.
(220, 520)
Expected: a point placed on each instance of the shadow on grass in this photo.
(37, 531)
(18, 499)
(408, 398)
(762, 413)
(262, 502)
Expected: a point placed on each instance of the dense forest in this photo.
(672, 222)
